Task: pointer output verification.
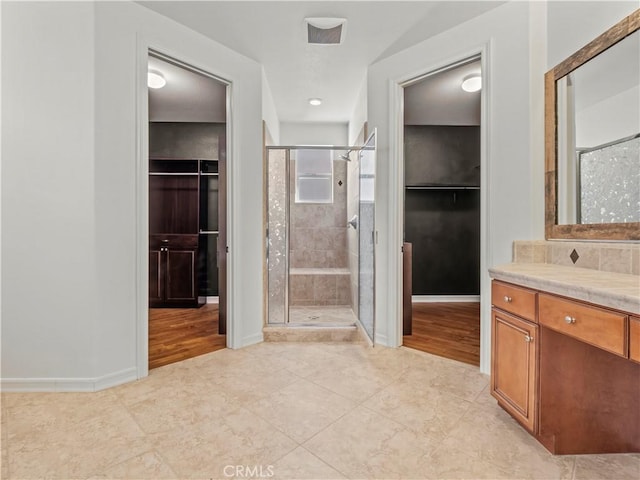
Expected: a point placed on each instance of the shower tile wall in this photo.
(319, 272)
(319, 287)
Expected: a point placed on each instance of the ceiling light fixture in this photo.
(155, 79)
(472, 83)
(315, 101)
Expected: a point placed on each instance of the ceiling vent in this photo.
(325, 31)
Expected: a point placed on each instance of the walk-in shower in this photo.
(320, 235)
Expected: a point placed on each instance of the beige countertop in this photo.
(614, 290)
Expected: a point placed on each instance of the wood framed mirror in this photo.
(592, 139)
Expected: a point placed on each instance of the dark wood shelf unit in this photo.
(184, 216)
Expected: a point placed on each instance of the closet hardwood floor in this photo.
(450, 330)
(176, 334)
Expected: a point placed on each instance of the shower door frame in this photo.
(288, 148)
(372, 138)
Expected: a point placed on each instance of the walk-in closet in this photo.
(187, 213)
(442, 166)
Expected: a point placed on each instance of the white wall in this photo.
(124, 32)
(48, 227)
(504, 31)
(571, 25)
(71, 219)
(269, 112)
(359, 115)
(537, 69)
(310, 133)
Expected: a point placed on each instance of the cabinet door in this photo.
(155, 277)
(513, 366)
(180, 271)
(634, 339)
(173, 204)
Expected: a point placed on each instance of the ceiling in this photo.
(273, 33)
(187, 97)
(440, 100)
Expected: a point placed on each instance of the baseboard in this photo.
(117, 378)
(252, 339)
(202, 300)
(68, 384)
(444, 298)
(382, 340)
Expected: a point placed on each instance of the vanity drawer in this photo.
(517, 300)
(601, 328)
(634, 339)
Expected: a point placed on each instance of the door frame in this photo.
(144, 48)
(396, 194)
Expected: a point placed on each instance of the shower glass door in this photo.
(367, 240)
(277, 236)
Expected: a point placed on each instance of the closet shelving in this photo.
(183, 230)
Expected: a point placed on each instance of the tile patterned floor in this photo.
(287, 411)
(334, 315)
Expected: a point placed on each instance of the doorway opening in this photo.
(320, 218)
(187, 211)
(442, 212)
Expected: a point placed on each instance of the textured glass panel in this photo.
(277, 239)
(610, 184)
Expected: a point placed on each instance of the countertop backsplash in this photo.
(607, 257)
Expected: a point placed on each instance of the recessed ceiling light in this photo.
(472, 83)
(155, 79)
(315, 101)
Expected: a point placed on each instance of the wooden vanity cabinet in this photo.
(605, 329)
(514, 352)
(567, 370)
(588, 397)
(634, 339)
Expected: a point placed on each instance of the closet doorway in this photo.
(442, 212)
(187, 211)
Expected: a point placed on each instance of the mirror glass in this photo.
(598, 138)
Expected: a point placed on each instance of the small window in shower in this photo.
(314, 176)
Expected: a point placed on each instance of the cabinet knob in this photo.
(507, 299)
(569, 319)
(528, 338)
